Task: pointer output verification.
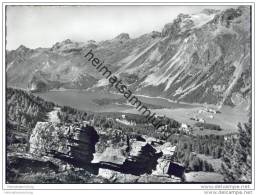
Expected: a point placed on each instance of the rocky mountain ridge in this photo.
(199, 58)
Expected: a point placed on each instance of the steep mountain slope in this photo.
(206, 64)
(200, 58)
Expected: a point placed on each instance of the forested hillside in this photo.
(238, 156)
(25, 109)
(195, 152)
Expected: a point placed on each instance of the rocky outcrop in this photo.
(155, 34)
(176, 169)
(137, 156)
(158, 179)
(111, 155)
(117, 177)
(165, 160)
(123, 36)
(74, 143)
(142, 158)
(25, 168)
(68, 149)
(30, 164)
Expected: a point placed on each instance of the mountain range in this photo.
(198, 58)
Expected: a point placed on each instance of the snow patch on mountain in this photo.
(201, 19)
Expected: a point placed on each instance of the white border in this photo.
(125, 186)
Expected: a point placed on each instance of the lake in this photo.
(182, 112)
(84, 100)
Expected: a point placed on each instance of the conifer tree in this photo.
(236, 164)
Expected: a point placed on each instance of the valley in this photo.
(228, 118)
(66, 124)
(119, 147)
(190, 61)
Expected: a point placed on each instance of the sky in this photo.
(43, 26)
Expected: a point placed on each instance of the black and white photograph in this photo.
(128, 94)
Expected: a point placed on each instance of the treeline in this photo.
(208, 126)
(108, 120)
(192, 162)
(23, 110)
(188, 146)
(236, 166)
(142, 127)
(71, 115)
(210, 145)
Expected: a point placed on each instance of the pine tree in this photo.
(237, 156)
